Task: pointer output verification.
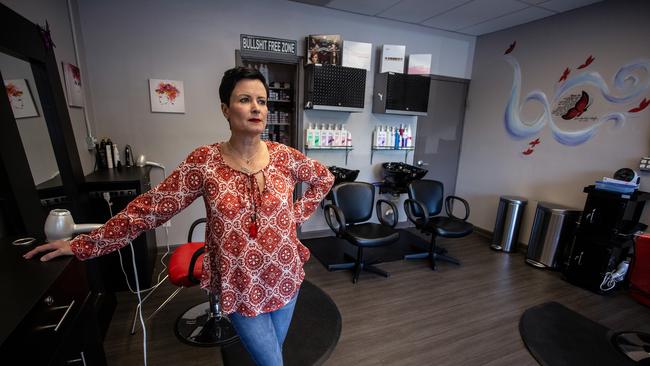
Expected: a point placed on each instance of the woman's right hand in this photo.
(57, 248)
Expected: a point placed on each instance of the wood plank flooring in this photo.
(465, 315)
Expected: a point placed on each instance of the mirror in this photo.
(24, 166)
(23, 97)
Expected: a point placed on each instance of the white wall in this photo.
(491, 164)
(128, 42)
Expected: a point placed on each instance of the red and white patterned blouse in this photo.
(254, 274)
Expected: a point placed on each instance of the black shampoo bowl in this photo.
(398, 175)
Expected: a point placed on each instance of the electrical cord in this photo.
(138, 292)
(137, 287)
(159, 281)
(611, 278)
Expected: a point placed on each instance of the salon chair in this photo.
(203, 324)
(352, 207)
(425, 202)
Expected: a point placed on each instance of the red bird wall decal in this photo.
(566, 73)
(588, 62)
(531, 147)
(579, 108)
(644, 103)
(512, 47)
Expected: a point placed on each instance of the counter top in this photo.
(124, 174)
(23, 282)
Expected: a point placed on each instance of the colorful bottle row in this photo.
(327, 136)
(395, 137)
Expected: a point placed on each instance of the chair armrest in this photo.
(340, 218)
(418, 221)
(381, 217)
(195, 257)
(196, 223)
(449, 207)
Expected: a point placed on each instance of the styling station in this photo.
(487, 162)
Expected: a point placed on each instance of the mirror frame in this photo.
(24, 40)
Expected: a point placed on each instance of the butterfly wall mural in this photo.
(567, 111)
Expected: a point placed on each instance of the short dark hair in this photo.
(232, 76)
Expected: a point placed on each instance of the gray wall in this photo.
(128, 42)
(33, 130)
(615, 33)
(57, 15)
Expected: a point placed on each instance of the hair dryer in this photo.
(60, 225)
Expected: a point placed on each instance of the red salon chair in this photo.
(640, 272)
(203, 324)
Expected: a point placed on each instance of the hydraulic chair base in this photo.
(204, 325)
(368, 267)
(438, 254)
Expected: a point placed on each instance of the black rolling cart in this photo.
(604, 236)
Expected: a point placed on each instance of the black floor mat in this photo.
(558, 336)
(332, 250)
(312, 336)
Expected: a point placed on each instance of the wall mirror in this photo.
(38, 151)
(28, 116)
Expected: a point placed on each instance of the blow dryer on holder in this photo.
(60, 225)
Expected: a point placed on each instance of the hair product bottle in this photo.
(309, 136)
(109, 154)
(343, 137)
(323, 135)
(396, 137)
(316, 133)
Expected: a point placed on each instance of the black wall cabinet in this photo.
(401, 94)
(334, 88)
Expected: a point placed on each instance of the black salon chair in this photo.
(422, 207)
(352, 207)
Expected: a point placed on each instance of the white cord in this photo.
(607, 281)
(137, 287)
(107, 198)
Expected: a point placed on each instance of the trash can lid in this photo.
(515, 199)
(557, 208)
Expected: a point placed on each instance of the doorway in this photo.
(439, 133)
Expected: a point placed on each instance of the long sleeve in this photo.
(318, 178)
(148, 210)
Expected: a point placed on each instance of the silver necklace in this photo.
(242, 158)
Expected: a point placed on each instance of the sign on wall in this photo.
(268, 44)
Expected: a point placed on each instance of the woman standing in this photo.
(253, 258)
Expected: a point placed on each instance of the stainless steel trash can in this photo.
(553, 229)
(506, 226)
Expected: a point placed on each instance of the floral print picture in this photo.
(167, 96)
(72, 77)
(20, 98)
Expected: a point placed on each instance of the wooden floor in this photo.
(465, 315)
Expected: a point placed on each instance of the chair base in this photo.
(357, 268)
(437, 254)
(198, 326)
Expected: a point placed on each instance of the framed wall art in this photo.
(72, 77)
(20, 98)
(167, 96)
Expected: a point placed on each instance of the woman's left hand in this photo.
(57, 248)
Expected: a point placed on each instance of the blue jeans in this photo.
(263, 335)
